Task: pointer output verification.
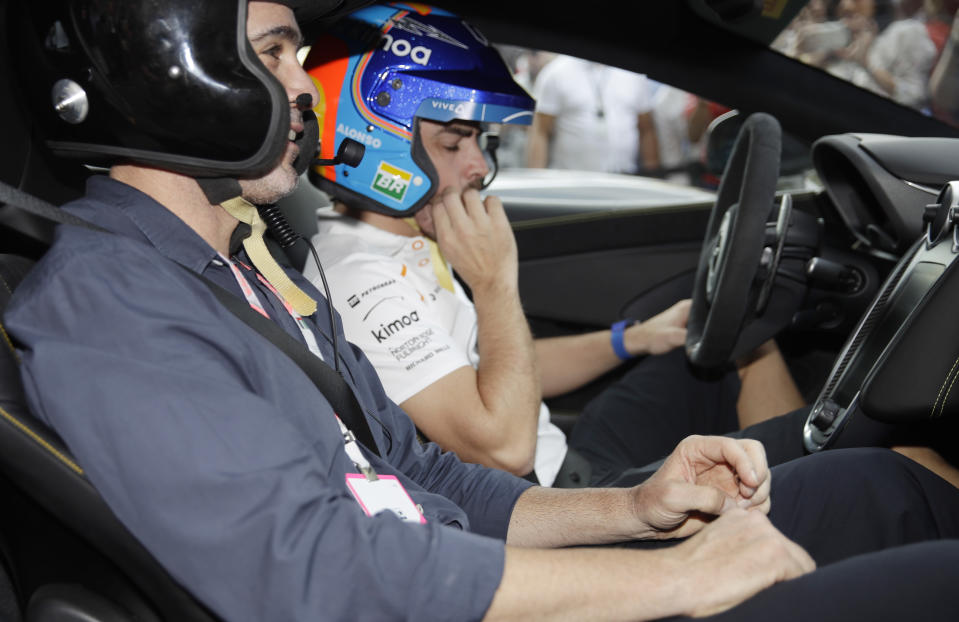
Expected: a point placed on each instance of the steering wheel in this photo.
(729, 287)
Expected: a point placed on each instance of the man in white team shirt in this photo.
(592, 117)
(468, 372)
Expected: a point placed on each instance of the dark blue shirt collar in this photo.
(127, 211)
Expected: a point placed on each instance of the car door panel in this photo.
(590, 270)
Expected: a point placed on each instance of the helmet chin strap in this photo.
(489, 143)
(227, 193)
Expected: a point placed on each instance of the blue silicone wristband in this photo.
(616, 338)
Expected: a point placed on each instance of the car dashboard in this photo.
(897, 198)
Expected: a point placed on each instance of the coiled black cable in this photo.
(278, 225)
(286, 237)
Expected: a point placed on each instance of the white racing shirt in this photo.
(596, 109)
(411, 329)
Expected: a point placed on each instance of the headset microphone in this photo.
(350, 153)
(304, 101)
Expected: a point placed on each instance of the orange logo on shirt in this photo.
(417, 245)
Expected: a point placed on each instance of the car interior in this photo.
(855, 278)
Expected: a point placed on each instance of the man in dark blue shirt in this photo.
(225, 460)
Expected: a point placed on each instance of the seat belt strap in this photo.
(327, 380)
(38, 207)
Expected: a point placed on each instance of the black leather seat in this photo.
(70, 557)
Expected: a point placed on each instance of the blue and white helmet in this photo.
(382, 68)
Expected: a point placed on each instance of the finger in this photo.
(684, 307)
(682, 497)
(758, 501)
(757, 455)
(723, 450)
(762, 508)
(494, 207)
(455, 210)
(474, 207)
(500, 224)
(441, 221)
(761, 497)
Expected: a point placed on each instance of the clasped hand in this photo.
(704, 477)
(716, 489)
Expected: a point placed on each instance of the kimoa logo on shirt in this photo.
(389, 329)
(391, 181)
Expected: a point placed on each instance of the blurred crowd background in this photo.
(902, 49)
(599, 118)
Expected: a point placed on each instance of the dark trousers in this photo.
(626, 430)
(883, 530)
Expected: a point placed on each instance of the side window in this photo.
(905, 50)
(598, 118)
(606, 138)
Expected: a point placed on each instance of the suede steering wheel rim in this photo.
(725, 289)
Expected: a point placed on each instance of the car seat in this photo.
(69, 556)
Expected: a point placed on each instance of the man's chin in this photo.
(271, 188)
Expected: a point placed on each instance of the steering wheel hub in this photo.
(718, 256)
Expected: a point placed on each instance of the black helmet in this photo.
(170, 83)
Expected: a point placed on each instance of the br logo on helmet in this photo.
(391, 181)
(401, 47)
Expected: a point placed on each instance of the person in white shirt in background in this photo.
(592, 117)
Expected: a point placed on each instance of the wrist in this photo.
(639, 504)
(685, 576)
(624, 514)
(503, 285)
(617, 339)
